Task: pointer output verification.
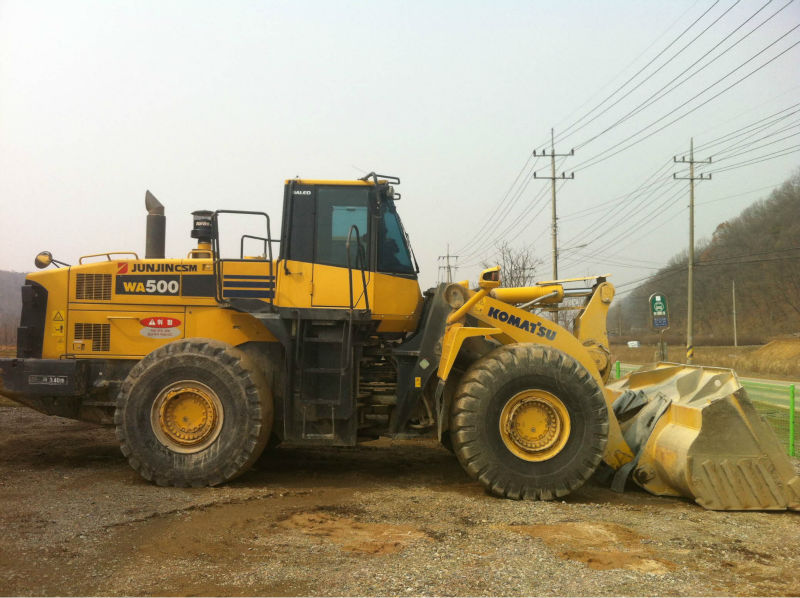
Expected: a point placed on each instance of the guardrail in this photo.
(775, 402)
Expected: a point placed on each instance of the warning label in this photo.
(57, 327)
(160, 327)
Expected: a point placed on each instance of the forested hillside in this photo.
(10, 304)
(759, 251)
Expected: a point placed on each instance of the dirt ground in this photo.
(387, 518)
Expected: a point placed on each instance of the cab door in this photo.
(342, 212)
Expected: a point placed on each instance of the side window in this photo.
(393, 253)
(338, 209)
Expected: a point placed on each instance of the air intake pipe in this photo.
(156, 228)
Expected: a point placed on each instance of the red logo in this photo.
(160, 322)
(122, 267)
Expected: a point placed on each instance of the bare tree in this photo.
(517, 265)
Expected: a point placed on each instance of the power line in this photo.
(487, 222)
(488, 241)
(735, 260)
(553, 178)
(747, 142)
(747, 128)
(505, 234)
(690, 281)
(644, 203)
(741, 151)
(759, 159)
(738, 194)
(759, 106)
(620, 74)
(567, 132)
(640, 203)
(597, 159)
(446, 268)
(650, 101)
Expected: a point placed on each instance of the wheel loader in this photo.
(323, 337)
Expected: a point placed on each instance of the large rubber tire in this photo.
(496, 381)
(222, 376)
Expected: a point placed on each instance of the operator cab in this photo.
(323, 218)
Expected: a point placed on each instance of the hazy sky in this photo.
(214, 104)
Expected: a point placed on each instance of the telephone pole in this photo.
(554, 178)
(733, 295)
(446, 268)
(690, 282)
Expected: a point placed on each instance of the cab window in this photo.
(393, 255)
(339, 209)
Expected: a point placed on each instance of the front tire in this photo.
(529, 422)
(193, 413)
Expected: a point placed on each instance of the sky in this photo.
(213, 105)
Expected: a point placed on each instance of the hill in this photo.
(759, 252)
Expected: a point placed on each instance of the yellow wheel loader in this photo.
(201, 363)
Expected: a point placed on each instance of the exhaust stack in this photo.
(156, 228)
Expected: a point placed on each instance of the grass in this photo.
(747, 361)
(778, 361)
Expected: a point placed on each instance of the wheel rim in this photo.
(186, 416)
(534, 425)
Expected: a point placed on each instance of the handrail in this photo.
(360, 260)
(108, 255)
(268, 241)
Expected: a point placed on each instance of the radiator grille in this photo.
(99, 334)
(93, 287)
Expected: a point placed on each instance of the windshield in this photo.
(393, 253)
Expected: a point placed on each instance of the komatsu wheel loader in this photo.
(201, 362)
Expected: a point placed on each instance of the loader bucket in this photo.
(696, 434)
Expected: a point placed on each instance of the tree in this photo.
(517, 265)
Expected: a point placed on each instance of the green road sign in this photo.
(659, 311)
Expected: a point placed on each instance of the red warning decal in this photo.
(160, 322)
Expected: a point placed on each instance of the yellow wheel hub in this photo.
(186, 416)
(534, 425)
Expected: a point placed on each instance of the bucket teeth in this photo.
(710, 444)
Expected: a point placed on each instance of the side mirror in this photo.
(43, 259)
(490, 278)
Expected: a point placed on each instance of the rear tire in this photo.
(529, 422)
(193, 413)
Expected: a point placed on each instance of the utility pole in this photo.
(733, 294)
(446, 267)
(554, 178)
(690, 282)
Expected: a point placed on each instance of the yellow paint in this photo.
(462, 311)
(124, 331)
(187, 415)
(57, 324)
(525, 294)
(395, 301)
(579, 278)
(518, 326)
(226, 325)
(454, 337)
(534, 425)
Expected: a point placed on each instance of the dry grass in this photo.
(778, 358)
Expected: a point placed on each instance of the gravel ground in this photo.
(386, 518)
